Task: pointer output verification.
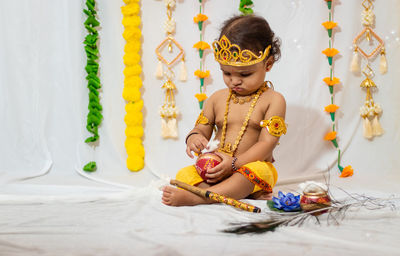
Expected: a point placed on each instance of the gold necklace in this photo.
(227, 148)
(242, 100)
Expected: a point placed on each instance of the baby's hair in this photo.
(251, 32)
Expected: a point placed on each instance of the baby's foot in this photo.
(179, 197)
(261, 195)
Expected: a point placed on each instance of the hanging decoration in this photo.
(168, 111)
(201, 46)
(245, 7)
(132, 84)
(331, 81)
(94, 116)
(370, 110)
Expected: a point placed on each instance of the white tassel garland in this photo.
(159, 71)
(183, 72)
(383, 64)
(367, 128)
(172, 128)
(355, 63)
(376, 127)
(164, 129)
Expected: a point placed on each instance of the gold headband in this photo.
(231, 54)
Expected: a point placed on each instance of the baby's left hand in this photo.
(222, 171)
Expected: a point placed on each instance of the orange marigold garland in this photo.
(330, 53)
(201, 46)
(132, 84)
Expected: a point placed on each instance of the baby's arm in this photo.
(266, 142)
(197, 139)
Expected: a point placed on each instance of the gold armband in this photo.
(275, 126)
(202, 119)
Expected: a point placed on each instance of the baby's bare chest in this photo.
(238, 113)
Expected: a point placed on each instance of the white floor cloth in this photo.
(48, 206)
(133, 222)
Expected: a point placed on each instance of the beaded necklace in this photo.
(228, 148)
(242, 100)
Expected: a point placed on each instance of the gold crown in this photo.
(231, 54)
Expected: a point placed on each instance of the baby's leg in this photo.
(236, 186)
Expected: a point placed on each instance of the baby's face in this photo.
(244, 80)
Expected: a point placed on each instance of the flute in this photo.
(216, 197)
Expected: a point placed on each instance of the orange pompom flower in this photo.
(331, 109)
(347, 172)
(332, 82)
(329, 25)
(201, 97)
(330, 52)
(331, 136)
(329, 3)
(201, 46)
(202, 74)
(199, 19)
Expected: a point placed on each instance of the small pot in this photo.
(313, 200)
(206, 161)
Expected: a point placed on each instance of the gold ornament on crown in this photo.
(370, 111)
(231, 54)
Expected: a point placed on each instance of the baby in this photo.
(248, 114)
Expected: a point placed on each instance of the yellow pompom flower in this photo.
(132, 141)
(347, 172)
(135, 150)
(132, 46)
(133, 81)
(134, 70)
(135, 163)
(133, 107)
(131, 1)
(130, 9)
(131, 21)
(133, 119)
(131, 59)
(131, 94)
(202, 74)
(134, 131)
(132, 34)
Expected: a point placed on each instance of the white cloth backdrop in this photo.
(44, 96)
(43, 108)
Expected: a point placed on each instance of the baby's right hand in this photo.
(196, 143)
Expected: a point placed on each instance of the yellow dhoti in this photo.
(262, 174)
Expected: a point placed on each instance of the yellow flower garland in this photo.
(132, 84)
